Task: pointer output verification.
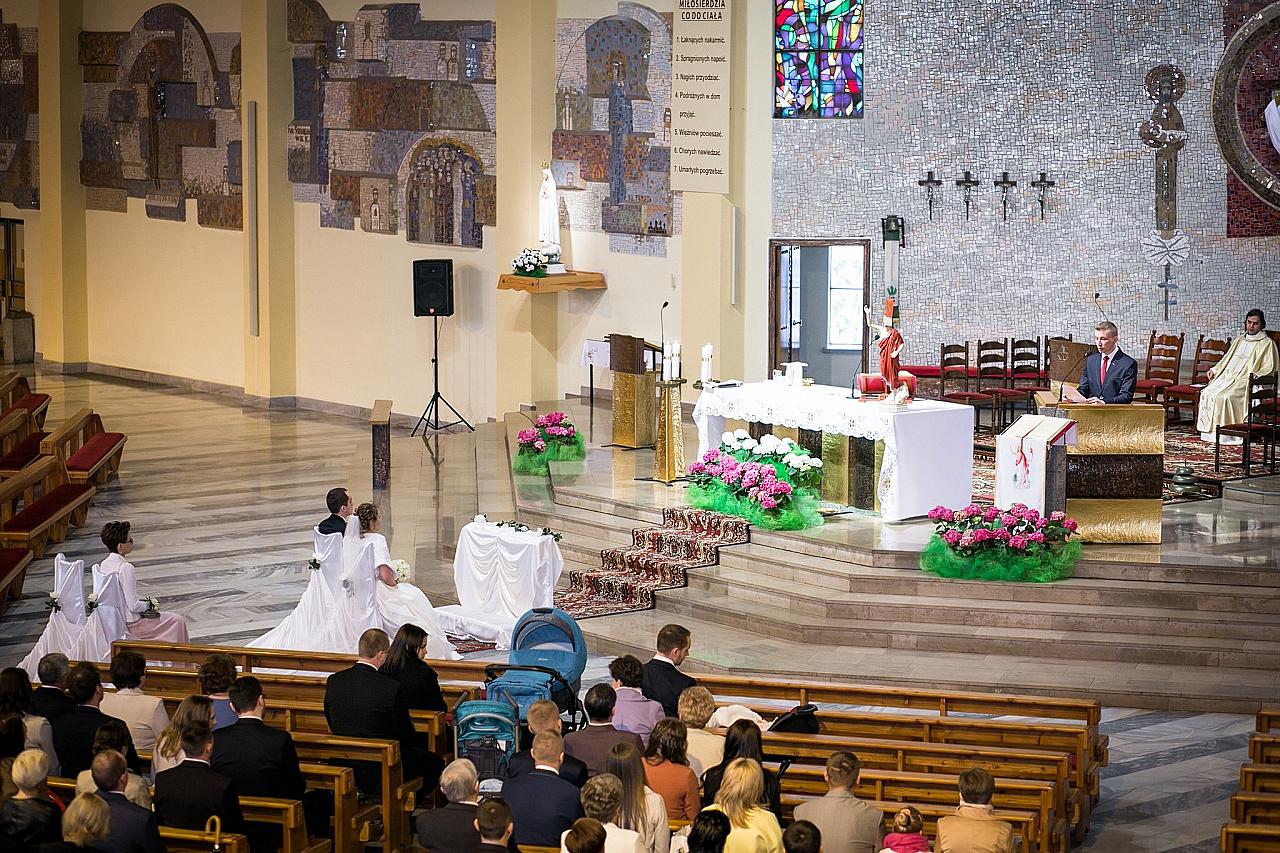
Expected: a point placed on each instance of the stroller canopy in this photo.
(549, 637)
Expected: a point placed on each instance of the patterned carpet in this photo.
(658, 558)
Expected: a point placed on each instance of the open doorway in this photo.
(13, 275)
(817, 290)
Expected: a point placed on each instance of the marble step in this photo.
(800, 597)
(923, 636)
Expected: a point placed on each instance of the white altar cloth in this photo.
(928, 447)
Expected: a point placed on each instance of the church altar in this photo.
(927, 456)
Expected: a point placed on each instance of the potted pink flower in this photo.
(552, 438)
(988, 543)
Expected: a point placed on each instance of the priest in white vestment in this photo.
(1225, 400)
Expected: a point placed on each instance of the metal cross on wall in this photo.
(1042, 185)
(930, 184)
(1166, 133)
(967, 183)
(1005, 184)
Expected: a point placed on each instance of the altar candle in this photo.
(676, 362)
(706, 363)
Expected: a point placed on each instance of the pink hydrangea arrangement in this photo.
(1017, 543)
(553, 436)
(757, 481)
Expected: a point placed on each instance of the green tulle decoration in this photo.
(1000, 564)
(800, 512)
(531, 462)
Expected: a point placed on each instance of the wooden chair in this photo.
(1178, 397)
(1164, 360)
(42, 519)
(89, 453)
(1259, 424)
(1026, 370)
(16, 394)
(994, 375)
(953, 367)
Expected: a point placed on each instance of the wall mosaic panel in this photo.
(1248, 215)
(19, 116)
(611, 149)
(394, 121)
(162, 119)
(1020, 97)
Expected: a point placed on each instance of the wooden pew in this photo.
(19, 442)
(202, 842)
(88, 452)
(1260, 778)
(1255, 807)
(16, 395)
(1250, 838)
(1268, 720)
(1024, 832)
(45, 518)
(1264, 749)
(13, 574)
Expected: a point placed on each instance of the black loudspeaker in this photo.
(433, 288)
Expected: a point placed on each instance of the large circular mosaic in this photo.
(1226, 121)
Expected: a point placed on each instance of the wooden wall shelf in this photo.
(572, 280)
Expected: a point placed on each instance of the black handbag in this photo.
(800, 720)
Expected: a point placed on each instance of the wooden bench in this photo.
(380, 433)
(1255, 807)
(19, 442)
(1024, 831)
(16, 394)
(1262, 778)
(13, 574)
(1268, 720)
(89, 453)
(1264, 749)
(202, 842)
(42, 519)
(1250, 838)
(289, 817)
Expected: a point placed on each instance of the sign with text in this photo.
(700, 81)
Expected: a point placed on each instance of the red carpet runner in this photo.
(658, 558)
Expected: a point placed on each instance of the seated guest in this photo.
(642, 808)
(848, 825)
(709, 832)
(362, 702)
(974, 828)
(16, 697)
(29, 817)
(591, 745)
(133, 827)
(113, 736)
(216, 675)
(542, 804)
(12, 737)
(50, 698)
(544, 716)
(493, 823)
(706, 748)
(742, 740)
(194, 709)
(632, 712)
(753, 829)
(85, 826)
(453, 828)
(663, 683)
(144, 715)
(908, 833)
(585, 836)
(666, 770)
(167, 627)
(407, 663)
(340, 506)
(191, 793)
(74, 732)
(601, 799)
(802, 837)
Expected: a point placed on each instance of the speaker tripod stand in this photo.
(430, 419)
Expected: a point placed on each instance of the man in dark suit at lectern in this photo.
(1109, 375)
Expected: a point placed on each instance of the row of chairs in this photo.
(1255, 809)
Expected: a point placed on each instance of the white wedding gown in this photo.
(404, 604)
(305, 628)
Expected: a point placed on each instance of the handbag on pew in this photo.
(800, 720)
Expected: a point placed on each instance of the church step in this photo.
(772, 620)
(800, 597)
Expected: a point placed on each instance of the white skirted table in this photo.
(501, 574)
(919, 457)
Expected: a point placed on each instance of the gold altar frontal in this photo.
(634, 415)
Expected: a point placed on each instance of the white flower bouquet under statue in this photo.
(529, 262)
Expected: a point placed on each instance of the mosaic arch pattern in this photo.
(817, 59)
(394, 122)
(162, 119)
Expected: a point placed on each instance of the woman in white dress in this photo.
(167, 627)
(398, 603)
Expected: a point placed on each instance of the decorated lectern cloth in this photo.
(1022, 452)
(928, 446)
(1225, 400)
(501, 573)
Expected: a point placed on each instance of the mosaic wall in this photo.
(19, 117)
(1247, 215)
(394, 122)
(1019, 96)
(611, 151)
(162, 119)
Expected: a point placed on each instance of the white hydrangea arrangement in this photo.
(806, 469)
(529, 262)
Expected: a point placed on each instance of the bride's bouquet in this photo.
(401, 568)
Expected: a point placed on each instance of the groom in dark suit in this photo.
(339, 502)
(1109, 375)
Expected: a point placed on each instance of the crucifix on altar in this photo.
(967, 183)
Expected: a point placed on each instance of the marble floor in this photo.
(222, 499)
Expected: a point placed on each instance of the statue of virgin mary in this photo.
(548, 216)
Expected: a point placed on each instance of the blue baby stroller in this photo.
(548, 656)
(486, 732)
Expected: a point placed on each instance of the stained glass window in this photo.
(817, 59)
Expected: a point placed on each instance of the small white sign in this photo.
(595, 353)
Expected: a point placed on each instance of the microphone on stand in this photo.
(661, 325)
(1098, 305)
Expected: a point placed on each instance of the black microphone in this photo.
(1098, 305)
(661, 325)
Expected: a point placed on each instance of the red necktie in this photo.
(1102, 371)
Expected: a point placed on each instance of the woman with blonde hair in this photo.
(706, 747)
(753, 828)
(85, 826)
(642, 809)
(169, 745)
(29, 818)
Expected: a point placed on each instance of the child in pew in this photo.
(908, 833)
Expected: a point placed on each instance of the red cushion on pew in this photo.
(24, 452)
(927, 371)
(10, 558)
(47, 507)
(94, 450)
(31, 402)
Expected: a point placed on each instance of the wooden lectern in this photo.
(1066, 361)
(1115, 472)
(634, 392)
